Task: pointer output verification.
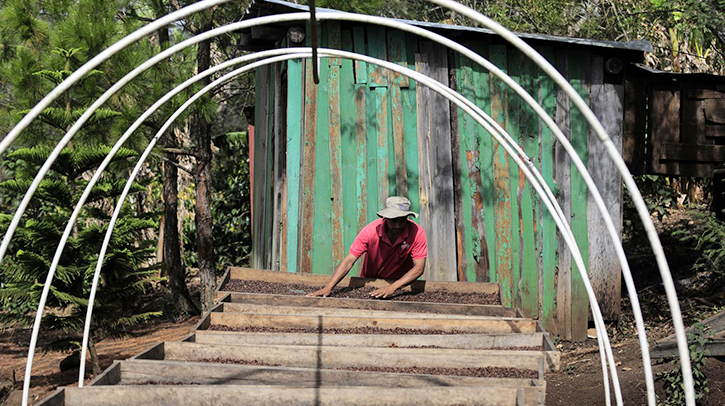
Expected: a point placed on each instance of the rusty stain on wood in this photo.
(338, 250)
(308, 169)
(401, 178)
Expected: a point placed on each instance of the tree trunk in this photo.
(172, 252)
(172, 255)
(201, 132)
(95, 363)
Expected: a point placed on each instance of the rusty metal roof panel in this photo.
(267, 7)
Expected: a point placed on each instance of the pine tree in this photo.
(125, 275)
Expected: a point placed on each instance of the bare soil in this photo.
(352, 330)
(497, 372)
(580, 382)
(238, 285)
(46, 372)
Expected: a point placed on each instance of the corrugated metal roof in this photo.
(280, 6)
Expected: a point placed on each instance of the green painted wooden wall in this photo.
(365, 133)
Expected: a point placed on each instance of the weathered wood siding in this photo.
(365, 133)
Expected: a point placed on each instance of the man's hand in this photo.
(384, 292)
(324, 292)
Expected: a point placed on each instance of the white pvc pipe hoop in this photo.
(574, 97)
(344, 16)
(616, 157)
(436, 86)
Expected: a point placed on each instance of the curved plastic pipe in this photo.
(616, 157)
(422, 79)
(529, 100)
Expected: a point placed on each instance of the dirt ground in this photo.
(46, 372)
(579, 382)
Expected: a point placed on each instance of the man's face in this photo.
(396, 225)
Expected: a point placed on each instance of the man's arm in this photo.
(340, 271)
(415, 272)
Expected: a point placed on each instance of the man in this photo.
(396, 249)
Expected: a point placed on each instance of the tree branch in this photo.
(176, 164)
(179, 151)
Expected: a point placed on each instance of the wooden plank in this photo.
(455, 341)
(458, 177)
(692, 152)
(713, 110)
(607, 102)
(664, 119)
(435, 161)
(502, 185)
(401, 176)
(301, 356)
(308, 172)
(410, 126)
(238, 395)
(377, 76)
(336, 200)
(387, 305)
(261, 111)
(695, 116)
(316, 280)
(635, 121)
(179, 372)
(361, 68)
(562, 176)
(715, 131)
(397, 53)
(484, 195)
(464, 85)
(579, 68)
(492, 325)
(514, 123)
(323, 245)
(295, 107)
(715, 348)
(380, 95)
(371, 116)
(547, 97)
(279, 172)
(269, 193)
(332, 311)
(350, 199)
(528, 207)
(704, 94)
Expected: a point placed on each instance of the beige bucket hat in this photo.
(396, 206)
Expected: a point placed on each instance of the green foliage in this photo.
(708, 235)
(125, 274)
(658, 193)
(231, 200)
(674, 386)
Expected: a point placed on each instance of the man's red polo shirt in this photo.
(386, 259)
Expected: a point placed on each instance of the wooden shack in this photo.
(326, 157)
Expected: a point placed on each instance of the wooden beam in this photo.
(321, 280)
(240, 395)
(692, 152)
(179, 372)
(388, 305)
(299, 356)
(451, 324)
